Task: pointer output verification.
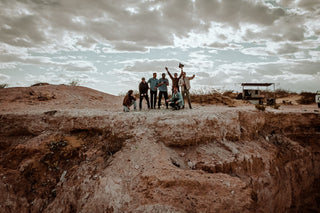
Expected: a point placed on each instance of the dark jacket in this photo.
(143, 88)
(128, 100)
(175, 81)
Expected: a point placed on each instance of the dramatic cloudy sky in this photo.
(110, 44)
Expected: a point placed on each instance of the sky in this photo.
(109, 45)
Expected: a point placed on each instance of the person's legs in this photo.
(140, 102)
(126, 109)
(151, 98)
(184, 98)
(154, 99)
(147, 98)
(189, 101)
(173, 105)
(134, 103)
(166, 98)
(160, 97)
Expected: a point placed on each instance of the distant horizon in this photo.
(110, 47)
(193, 91)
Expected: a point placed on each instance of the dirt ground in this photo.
(73, 149)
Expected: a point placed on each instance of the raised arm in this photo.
(190, 78)
(181, 73)
(169, 73)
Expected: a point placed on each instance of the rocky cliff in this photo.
(66, 158)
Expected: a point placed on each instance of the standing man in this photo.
(143, 90)
(153, 90)
(163, 90)
(184, 83)
(176, 100)
(175, 79)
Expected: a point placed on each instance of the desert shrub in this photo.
(3, 86)
(281, 93)
(39, 84)
(211, 97)
(229, 93)
(260, 107)
(276, 106)
(306, 98)
(74, 83)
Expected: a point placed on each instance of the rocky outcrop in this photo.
(204, 161)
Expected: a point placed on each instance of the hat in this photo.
(181, 65)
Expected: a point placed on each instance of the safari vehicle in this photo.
(318, 98)
(254, 96)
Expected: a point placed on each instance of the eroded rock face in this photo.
(227, 161)
(70, 149)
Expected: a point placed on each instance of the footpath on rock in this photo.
(72, 149)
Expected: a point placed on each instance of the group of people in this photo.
(177, 99)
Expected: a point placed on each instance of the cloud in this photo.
(152, 65)
(83, 66)
(4, 78)
(222, 42)
(236, 12)
(72, 23)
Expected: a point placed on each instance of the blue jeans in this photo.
(134, 103)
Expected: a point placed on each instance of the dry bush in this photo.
(39, 84)
(3, 86)
(74, 83)
(276, 106)
(281, 93)
(229, 93)
(212, 97)
(306, 98)
(260, 107)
